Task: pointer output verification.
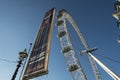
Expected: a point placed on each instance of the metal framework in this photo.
(62, 16)
(73, 63)
(69, 53)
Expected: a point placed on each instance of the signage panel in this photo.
(38, 61)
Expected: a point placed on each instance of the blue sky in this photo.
(20, 20)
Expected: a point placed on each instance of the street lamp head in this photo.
(23, 54)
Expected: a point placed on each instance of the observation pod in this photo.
(61, 34)
(60, 22)
(59, 16)
(66, 49)
(62, 11)
(73, 68)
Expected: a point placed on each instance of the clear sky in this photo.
(20, 20)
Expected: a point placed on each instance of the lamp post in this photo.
(22, 55)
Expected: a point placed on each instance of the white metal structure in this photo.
(69, 53)
(62, 16)
(113, 75)
(73, 63)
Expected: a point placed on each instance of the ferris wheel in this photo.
(74, 66)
